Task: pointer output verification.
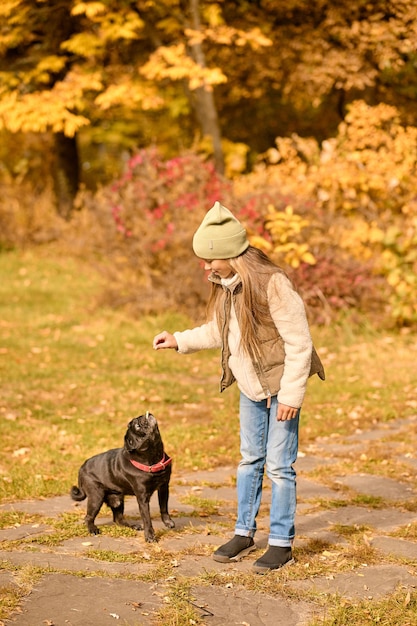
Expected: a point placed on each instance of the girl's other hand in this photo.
(286, 412)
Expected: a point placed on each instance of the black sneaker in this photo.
(274, 558)
(235, 549)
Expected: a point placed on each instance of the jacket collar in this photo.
(228, 284)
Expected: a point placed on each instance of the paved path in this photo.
(127, 581)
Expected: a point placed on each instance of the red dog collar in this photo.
(157, 467)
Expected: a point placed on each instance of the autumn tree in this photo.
(69, 64)
(136, 72)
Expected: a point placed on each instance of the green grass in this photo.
(203, 507)
(74, 373)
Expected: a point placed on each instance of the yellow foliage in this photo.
(126, 92)
(15, 16)
(90, 9)
(285, 229)
(222, 35)
(262, 243)
(213, 15)
(51, 63)
(119, 26)
(169, 26)
(174, 63)
(195, 37)
(8, 7)
(363, 183)
(255, 38)
(56, 109)
(83, 44)
(235, 154)
(113, 25)
(39, 113)
(235, 157)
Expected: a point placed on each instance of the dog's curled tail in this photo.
(76, 494)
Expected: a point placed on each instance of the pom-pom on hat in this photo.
(220, 235)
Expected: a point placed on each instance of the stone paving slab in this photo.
(378, 486)
(307, 489)
(83, 564)
(408, 460)
(230, 606)
(337, 451)
(49, 506)
(397, 547)
(20, 532)
(307, 463)
(365, 583)
(62, 599)
(385, 520)
(6, 578)
(220, 476)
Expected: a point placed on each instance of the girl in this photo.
(258, 320)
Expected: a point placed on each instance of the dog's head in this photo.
(142, 433)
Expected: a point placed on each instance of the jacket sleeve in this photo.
(289, 316)
(199, 338)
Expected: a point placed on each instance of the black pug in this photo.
(138, 469)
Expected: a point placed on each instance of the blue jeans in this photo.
(267, 444)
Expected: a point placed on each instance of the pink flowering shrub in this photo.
(337, 284)
(140, 231)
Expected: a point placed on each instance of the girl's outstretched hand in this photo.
(164, 340)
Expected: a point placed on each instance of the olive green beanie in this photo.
(220, 235)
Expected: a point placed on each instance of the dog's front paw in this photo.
(93, 530)
(136, 526)
(168, 521)
(150, 538)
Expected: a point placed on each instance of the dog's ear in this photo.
(131, 442)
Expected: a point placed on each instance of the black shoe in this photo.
(235, 549)
(274, 558)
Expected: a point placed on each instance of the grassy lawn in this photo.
(74, 373)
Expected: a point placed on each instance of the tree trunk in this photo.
(65, 173)
(202, 98)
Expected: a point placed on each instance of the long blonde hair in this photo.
(255, 269)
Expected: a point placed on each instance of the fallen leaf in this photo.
(21, 452)
(135, 605)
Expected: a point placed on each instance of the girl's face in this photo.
(219, 267)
